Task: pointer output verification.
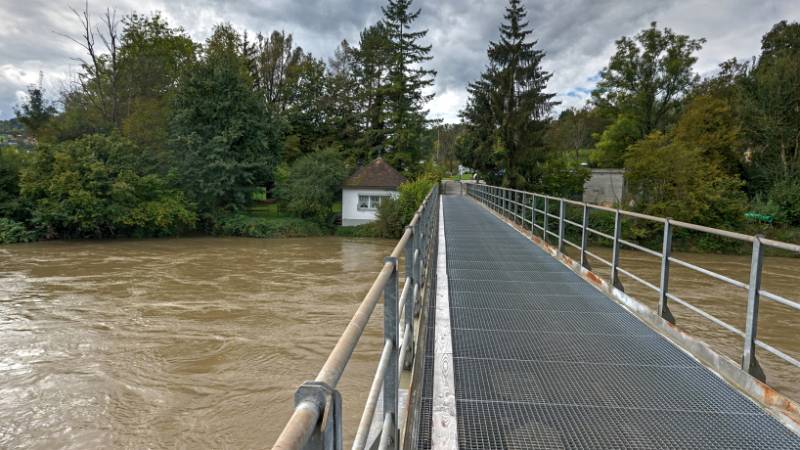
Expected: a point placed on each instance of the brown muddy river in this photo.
(175, 343)
(200, 343)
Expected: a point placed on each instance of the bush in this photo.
(395, 214)
(261, 227)
(95, 187)
(784, 201)
(367, 230)
(13, 232)
(12, 161)
(310, 187)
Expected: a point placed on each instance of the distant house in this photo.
(365, 189)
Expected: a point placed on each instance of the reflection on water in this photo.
(193, 343)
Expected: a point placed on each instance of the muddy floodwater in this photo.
(200, 343)
(175, 343)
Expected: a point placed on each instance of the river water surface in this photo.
(187, 343)
(201, 342)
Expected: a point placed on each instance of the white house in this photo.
(365, 189)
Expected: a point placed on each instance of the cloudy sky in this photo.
(577, 35)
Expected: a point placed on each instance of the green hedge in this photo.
(13, 232)
(262, 227)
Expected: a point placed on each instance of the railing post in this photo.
(533, 214)
(327, 433)
(416, 257)
(749, 362)
(412, 260)
(666, 250)
(615, 252)
(561, 226)
(585, 237)
(390, 383)
(546, 217)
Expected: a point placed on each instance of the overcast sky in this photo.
(577, 35)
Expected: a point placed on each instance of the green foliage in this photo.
(36, 113)
(784, 201)
(647, 76)
(563, 177)
(13, 232)
(262, 227)
(225, 140)
(367, 230)
(669, 178)
(612, 147)
(311, 185)
(405, 85)
(93, 187)
(12, 160)
(394, 214)
(506, 113)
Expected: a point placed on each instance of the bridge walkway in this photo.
(543, 360)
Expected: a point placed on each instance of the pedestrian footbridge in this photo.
(509, 343)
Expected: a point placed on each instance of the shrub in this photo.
(95, 187)
(310, 187)
(13, 232)
(261, 227)
(367, 230)
(784, 201)
(395, 214)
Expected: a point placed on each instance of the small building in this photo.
(365, 189)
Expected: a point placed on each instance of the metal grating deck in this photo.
(542, 360)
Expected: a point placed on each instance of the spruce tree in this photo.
(512, 92)
(405, 85)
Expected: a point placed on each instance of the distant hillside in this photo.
(11, 126)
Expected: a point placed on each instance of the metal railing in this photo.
(317, 419)
(523, 208)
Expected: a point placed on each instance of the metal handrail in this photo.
(498, 198)
(317, 420)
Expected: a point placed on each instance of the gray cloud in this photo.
(577, 35)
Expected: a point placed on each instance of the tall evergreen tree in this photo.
(508, 108)
(226, 142)
(407, 82)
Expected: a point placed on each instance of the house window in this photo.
(369, 202)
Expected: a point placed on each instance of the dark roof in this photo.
(377, 174)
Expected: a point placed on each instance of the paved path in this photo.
(542, 360)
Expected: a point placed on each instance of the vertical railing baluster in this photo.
(666, 251)
(561, 225)
(546, 217)
(585, 236)
(533, 214)
(749, 362)
(390, 325)
(412, 256)
(615, 251)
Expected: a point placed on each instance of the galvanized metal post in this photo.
(546, 212)
(615, 252)
(585, 236)
(749, 362)
(411, 256)
(561, 225)
(390, 383)
(666, 250)
(327, 434)
(533, 214)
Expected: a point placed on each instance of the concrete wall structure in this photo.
(605, 187)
